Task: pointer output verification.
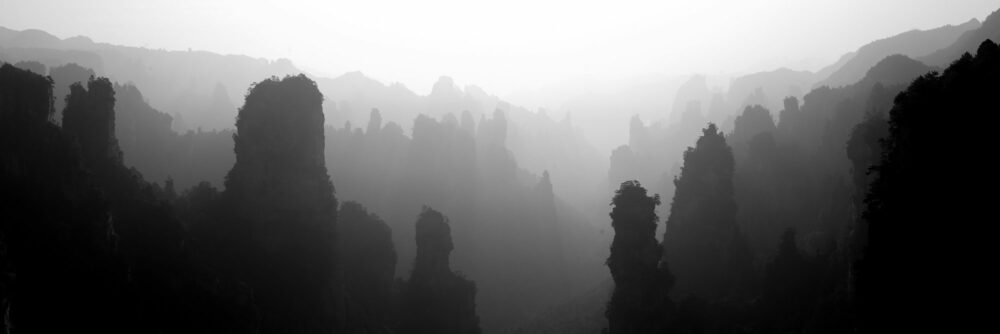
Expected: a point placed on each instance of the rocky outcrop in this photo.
(282, 230)
(436, 299)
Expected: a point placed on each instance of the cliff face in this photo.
(434, 246)
(369, 263)
(279, 151)
(284, 221)
(639, 302)
(436, 299)
(702, 243)
(89, 118)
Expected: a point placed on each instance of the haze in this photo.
(461, 167)
(502, 46)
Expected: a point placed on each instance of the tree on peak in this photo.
(703, 244)
(915, 191)
(434, 243)
(755, 120)
(280, 136)
(89, 118)
(640, 302)
(281, 233)
(705, 176)
(437, 300)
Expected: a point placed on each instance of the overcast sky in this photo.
(501, 45)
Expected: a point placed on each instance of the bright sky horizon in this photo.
(502, 46)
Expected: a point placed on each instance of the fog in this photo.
(511, 167)
(505, 48)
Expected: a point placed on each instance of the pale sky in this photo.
(502, 45)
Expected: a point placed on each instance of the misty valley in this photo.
(157, 191)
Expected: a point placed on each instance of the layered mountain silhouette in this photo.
(773, 87)
(913, 44)
(197, 89)
(967, 42)
(143, 197)
(180, 83)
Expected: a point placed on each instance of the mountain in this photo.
(351, 96)
(913, 44)
(968, 42)
(200, 90)
(537, 141)
(775, 86)
(693, 96)
(830, 69)
(183, 84)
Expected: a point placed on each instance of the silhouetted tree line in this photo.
(87, 243)
(820, 221)
(461, 161)
(878, 270)
(473, 177)
(919, 220)
(462, 166)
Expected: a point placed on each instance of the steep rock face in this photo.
(754, 121)
(900, 219)
(640, 302)
(62, 78)
(703, 244)
(369, 261)
(87, 240)
(434, 246)
(55, 230)
(279, 147)
(283, 227)
(89, 118)
(436, 299)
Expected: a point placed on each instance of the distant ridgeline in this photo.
(462, 167)
(458, 149)
(88, 243)
(857, 207)
(889, 248)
